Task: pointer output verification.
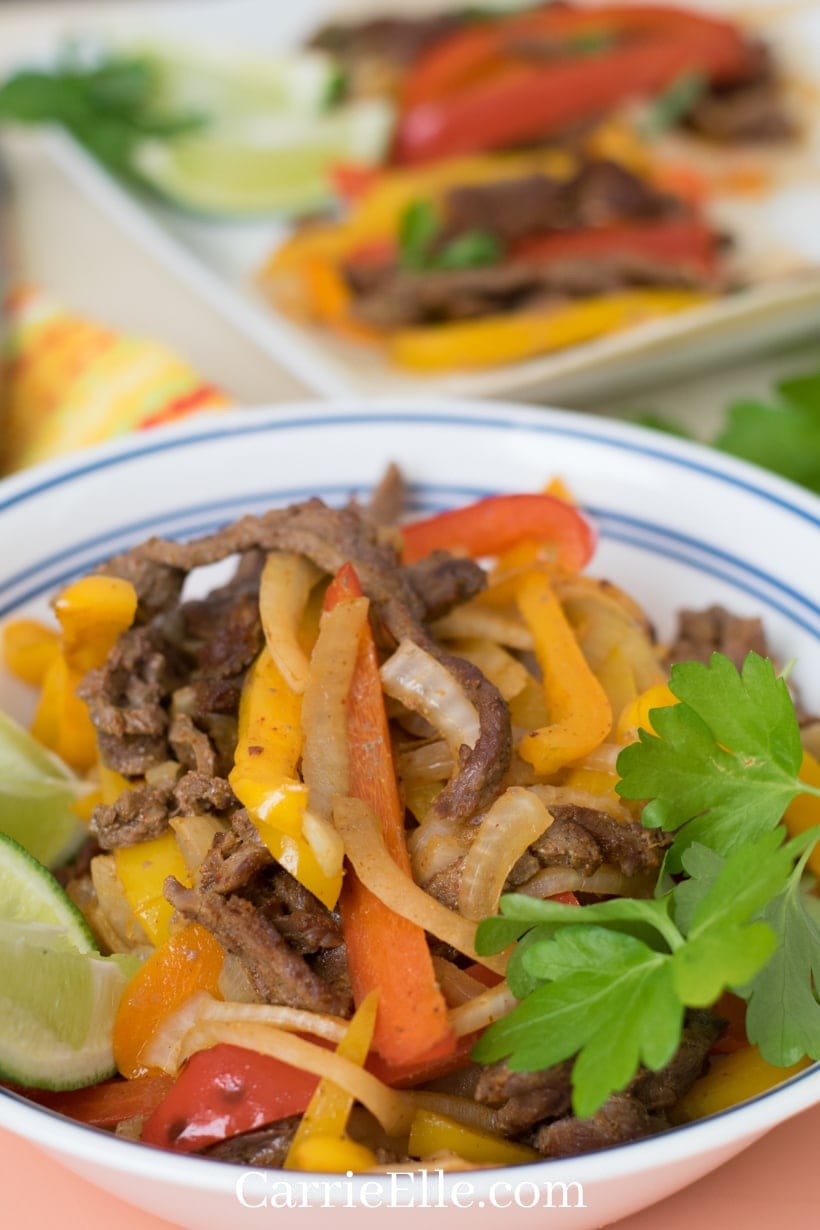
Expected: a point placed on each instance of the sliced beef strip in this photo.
(331, 537)
(388, 498)
(442, 581)
(307, 924)
(565, 844)
(716, 630)
(747, 114)
(229, 629)
(158, 586)
(142, 813)
(399, 39)
(630, 847)
(407, 298)
(266, 1146)
(513, 209)
(235, 857)
(659, 1091)
(191, 746)
(137, 815)
(126, 700)
(621, 1119)
(279, 974)
(523, 1099)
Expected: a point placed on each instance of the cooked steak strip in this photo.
(191, 746)
(600, 193)
(388, 498)
(406, 298)
(525, 1098)
(143, 813)
(442, 581)
(235, 857)
(630, 847)
(279, 974)
(332, 537)
(621, 1119)
(659, 1091)
(399, 39)
(158, 586)
(716, 630)
(266, 1146)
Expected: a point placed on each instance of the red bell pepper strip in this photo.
(477, 49)
(525, 102)
(351, 180)
(224, 1091)
(681, 243)
(107, 1104)
(384, 951)
(493, 525)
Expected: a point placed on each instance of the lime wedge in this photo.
(36, 794)
(57, 1009)
(29, 894)
(222, 88)
(58, 996)
(269, 163)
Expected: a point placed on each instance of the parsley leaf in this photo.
(724, 763)
(420, 250)
(418, 228)
(674, 104)
(610, 982)
(783, 1017)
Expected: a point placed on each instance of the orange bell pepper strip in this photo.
(499, 522)
(384, 951)
(142, 870)
(320, 1141)
(29, 648)
(190, 961)
(580, 713)
(510, 338)
(433, 1133)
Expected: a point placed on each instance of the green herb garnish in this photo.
(109, 107)
(610, 983)
(674, 104)
(420, 250)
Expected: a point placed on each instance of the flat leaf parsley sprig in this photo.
(610, 983)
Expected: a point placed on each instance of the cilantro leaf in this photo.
(724, 763)
(418, 228)
(783, 1017)
(785, 439)
(595, 1005)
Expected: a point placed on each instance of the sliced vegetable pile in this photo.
(399, 858)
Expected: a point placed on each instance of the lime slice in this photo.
(57, 1008)
(36, 794)
(58, 996)
(222, 87)
(269, 163)
(29, 894)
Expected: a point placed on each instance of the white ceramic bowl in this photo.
(679, 525)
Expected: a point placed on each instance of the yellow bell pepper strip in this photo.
(433, 1133)
(142, 870)
(92, 614)
(636, 715)
(61, 720)
(732, 1079)
(804, 811)
(190, 961)
(29, 648)
(265, 779)
(580, 713)
(112, 784)
(491, 340)
(329, 1155)
(323, 1124)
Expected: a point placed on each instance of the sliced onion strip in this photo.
(324, 704)
(367, 852)
(284, 589)
(607, 881)
(480, 1012)
(516, 819)
(422, 684)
